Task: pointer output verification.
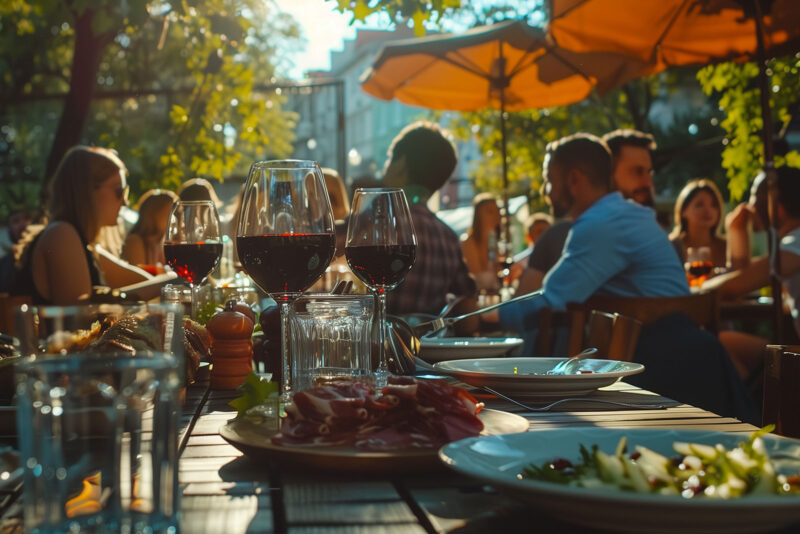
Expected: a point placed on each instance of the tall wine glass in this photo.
(286, 236)
(193, 245)
(381, 248)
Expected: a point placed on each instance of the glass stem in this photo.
(382, 372)
(286, 367)
(195, 304)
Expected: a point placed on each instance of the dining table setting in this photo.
(145, 418)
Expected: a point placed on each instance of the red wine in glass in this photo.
(381, 265)
(285, 265)
(193, 261)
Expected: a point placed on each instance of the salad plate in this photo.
(528, 376)
(500, 460)
(255, 442)
(439, 349)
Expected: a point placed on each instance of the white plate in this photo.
(254, 442)
(499, 459)
(527, 376)
(439, 349)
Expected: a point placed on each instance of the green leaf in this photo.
(255, 390)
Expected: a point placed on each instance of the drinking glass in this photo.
(698, 265)
(381, 248)
(193, 243)
(286, 236)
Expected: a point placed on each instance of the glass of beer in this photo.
(698, 265)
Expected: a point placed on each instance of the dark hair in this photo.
(627, 137)
(585, 152)
(199, 189)
(685, 197)
(431, 155)
(788, 185)
(81, 170)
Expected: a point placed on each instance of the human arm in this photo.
(133, 251)
(118, 272)
(738, 237)
(530, 280)
(60, 269)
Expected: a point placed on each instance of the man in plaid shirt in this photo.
(421, 159)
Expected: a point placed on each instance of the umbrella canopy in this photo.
(507, 66)
(667, 33)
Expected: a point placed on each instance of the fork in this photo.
(553, 404)
(434, 325)
(565, 367)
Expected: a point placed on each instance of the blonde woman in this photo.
(698, 221)
(63, 261)
(480, 244)
(144, 244)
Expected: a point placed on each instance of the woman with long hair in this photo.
(698, 220)
(144, 244)
(479, 247)
(63, 261)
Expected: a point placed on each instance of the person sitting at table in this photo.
(144, 244)
(632, 175)
(60, 262)
(698, 221)
(616, 247)
(537, 224)
(745, 349)
(479, 245)
(420, 160)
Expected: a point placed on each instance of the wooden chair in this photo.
(781, 400)
(614, 335)
(8, 307)
(701, 308)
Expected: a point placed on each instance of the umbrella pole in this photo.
(769, 170)
(507, 225)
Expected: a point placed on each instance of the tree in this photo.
(735, 89)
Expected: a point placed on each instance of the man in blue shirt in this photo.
(615, 246)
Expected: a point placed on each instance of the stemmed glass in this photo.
(193, 245)
(286, 236)
(381, 248)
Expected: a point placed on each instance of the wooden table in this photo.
(224, 491)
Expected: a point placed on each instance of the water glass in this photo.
(330, 338)
(98, 420)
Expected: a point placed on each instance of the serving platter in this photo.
(528, 376)
(256, 443)
(499, 460)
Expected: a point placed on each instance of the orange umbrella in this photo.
(507, 66)
(667, 33)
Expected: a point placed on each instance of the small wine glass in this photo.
(285, 238)
(381, 248)
(698, 265)
(193, 244)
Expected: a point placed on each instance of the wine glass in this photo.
(286, 236)
(193, 245)
(381, 248)
(698, 265)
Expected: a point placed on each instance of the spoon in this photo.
(566, 367)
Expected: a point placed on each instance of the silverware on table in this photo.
(439, 323)
(565, 367)
(553, 404)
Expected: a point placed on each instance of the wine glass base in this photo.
(381, 377)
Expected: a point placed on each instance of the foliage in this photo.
(255, 391)
(186, 85)
(734, 86)
(417, 12)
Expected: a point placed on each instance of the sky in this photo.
(324, 28)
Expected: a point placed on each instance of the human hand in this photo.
(738, 219)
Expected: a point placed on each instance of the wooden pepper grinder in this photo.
(231, 347)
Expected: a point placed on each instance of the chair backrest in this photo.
(8, 307)
(614, 335)
(781, 401)
(701, 308)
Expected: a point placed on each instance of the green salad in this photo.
(698, 470)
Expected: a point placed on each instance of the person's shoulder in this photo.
(59, 230)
